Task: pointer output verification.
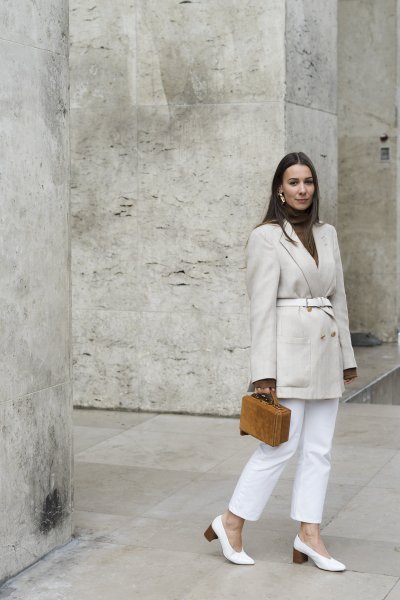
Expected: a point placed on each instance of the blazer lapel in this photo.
(313, 274)
(325, 273)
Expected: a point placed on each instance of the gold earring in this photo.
(282, 197)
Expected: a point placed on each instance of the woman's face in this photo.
(298, 186)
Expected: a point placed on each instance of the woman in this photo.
(300, 347)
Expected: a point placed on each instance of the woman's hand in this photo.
(263, 387)
(346, 381)
(265, 390)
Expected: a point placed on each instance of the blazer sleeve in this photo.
(339, 304)
(262, 279)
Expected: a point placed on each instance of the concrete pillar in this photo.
(369, 213)
(180, 113)
(35, 365)
(397, 202)
(311, 92)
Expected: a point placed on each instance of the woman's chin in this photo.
(300, 205)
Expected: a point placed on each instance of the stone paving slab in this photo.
(140, 513)
(378, 369)
(395, 593)
(104, 571)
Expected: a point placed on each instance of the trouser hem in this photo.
(240, 514)
(305, 519)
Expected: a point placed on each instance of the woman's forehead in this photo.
(298, 171)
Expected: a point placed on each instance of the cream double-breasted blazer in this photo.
(304, 350)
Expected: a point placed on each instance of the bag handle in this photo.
(270, 398)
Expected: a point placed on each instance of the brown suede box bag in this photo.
(265, 419)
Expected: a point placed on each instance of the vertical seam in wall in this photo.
(70, 392)
(337, 112)
(397, 166)
(138, 245)
(285, 66)
(337, 77)
(69, 210)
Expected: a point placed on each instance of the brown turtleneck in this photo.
(299, 220)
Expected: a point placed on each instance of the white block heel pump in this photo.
(217, 531)
(302, 552)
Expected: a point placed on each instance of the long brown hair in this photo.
(276, 210)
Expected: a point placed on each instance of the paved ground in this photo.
(375, 363)
(146, 486)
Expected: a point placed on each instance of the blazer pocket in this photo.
(293, 361)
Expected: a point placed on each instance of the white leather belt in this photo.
(320, 301)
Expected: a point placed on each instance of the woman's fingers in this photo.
(266, 390)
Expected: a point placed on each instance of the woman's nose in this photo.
(302, 188)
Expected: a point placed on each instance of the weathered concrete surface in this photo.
(311, 89)
(35, 362)
(378, 380)
(315, 132)
(41, 25)
(148, 485)
(210, 52)
(369, 219)
(35, 476)
(180, 114)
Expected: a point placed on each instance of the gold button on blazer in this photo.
(288, 343)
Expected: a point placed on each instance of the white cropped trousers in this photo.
(312, 425)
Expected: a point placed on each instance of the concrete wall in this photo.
(368, 205)
(180, 114)
(311, 99)
(35, 365)
(397, 209)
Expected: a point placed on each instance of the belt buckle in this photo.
(309, 308)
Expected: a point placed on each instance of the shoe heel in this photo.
(299, 557)
(210, 534)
